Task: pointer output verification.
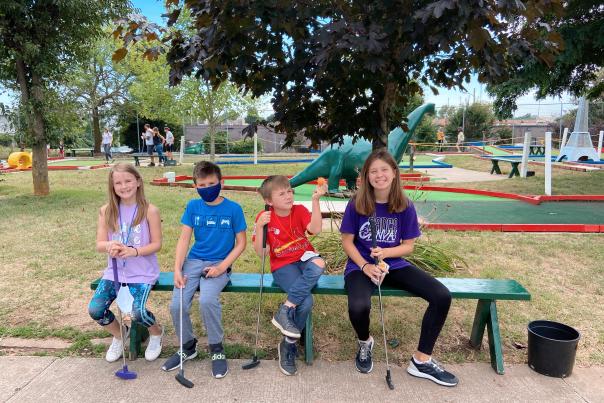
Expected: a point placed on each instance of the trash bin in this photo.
(170, 176)
(552, 347)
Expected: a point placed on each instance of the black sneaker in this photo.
(189, 352)
(363, 360)
(287, 357)
(283, 320)
(432, 370)
(219, 362)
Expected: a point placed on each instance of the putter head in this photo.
(389, 380)
(124, 373)
(180, 377)
(252, 364)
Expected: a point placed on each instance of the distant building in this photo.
(537, 127)
(271, 142)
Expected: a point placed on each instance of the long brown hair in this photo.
(112, 210)
(364, 201)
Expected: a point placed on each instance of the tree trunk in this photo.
(212, 143)
(40, 158)
(32, 97)
(382, 140)
(96, 129)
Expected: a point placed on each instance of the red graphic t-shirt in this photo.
(286, 237)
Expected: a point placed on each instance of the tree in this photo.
(476, 119)
(97, 84)
(578, 69)
(38, 41)
(338, 67)
(213, 105)
(196, 99)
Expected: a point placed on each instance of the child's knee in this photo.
(319, 262)
(208, 301)
(99, 314)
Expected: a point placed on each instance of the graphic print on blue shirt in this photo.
(214, 228)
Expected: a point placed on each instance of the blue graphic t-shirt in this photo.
(392, 228)
(214, 228)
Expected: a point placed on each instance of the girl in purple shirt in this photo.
(129, 230)
(381, 196)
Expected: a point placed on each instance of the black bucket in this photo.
(552, 347)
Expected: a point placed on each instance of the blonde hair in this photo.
(271, 183)
(364, 201)
(112, 210)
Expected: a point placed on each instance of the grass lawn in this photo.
(48, 260)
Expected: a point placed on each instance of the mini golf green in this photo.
(468, 208)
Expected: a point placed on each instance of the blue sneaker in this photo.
(287, 357)
(284, 321)
(219, 362)
(433, 371)
(363, 360)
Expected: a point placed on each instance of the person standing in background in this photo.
(106, 144)
(440, 138)
(169, 142)
(460, 139)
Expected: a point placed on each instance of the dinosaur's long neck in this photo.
(398, 139)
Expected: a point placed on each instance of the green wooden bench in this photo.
(537, 149)
(514, 163)
(137, 157)
(73, 151)
(486, 291)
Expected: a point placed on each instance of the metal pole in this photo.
(227, 137)
(138, 134)
(548, 163)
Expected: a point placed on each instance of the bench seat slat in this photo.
(469, 288)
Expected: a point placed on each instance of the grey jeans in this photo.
(209, 301)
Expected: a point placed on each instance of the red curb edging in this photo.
(580, 228)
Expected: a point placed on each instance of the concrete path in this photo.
(50, 379)
(461, 175)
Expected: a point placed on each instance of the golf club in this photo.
(373, 245)
(180, 377)
(255, 362)
(123, 373)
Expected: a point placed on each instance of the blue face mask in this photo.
(210, 193)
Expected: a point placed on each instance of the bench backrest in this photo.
(469, 288)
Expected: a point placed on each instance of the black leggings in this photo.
(360, 288)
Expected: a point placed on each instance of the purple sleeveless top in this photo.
(139, 269)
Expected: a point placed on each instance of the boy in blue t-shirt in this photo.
(219, 227)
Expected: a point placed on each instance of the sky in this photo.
(549, 107)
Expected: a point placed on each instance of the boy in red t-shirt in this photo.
(295, 264)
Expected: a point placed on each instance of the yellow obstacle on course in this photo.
(20, 160)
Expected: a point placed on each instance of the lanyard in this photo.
(125, 241)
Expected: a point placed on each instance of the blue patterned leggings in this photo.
(105, 295)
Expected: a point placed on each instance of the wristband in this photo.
(136, 250)
(363, 267)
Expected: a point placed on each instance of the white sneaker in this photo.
(154, 346)
(116, 349)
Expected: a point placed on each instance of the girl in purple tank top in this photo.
(129, 230)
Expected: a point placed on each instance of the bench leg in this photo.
(136, 162)
(514, 171)
(308, 351)
(495, 168)
(138, 334)
(486, 315)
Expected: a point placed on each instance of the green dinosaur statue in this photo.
(344, 161)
